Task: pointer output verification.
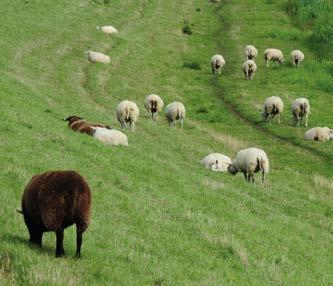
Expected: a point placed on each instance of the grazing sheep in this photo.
(108, 29)
(296, 57)
(250, 52)
(249, 68)
(53, 201)
(214, 2)
(153, 104)
(127, 111)
(96, 57)
(216, 162)
(300, 108)
(250, 161)
(274, 55)
(175, 111)
(273, 106)
(110, 137)
(319, 134)
(217, 62)
(79, 124)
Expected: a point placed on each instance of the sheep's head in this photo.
(232, 170)
(217, 63)
(72, 118)
(263, 115)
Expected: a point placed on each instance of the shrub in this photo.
(187, 29)
(192, 65)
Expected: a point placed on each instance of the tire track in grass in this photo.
(245, 119)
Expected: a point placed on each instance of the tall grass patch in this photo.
(316, 16)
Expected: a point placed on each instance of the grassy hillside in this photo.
(158, 217)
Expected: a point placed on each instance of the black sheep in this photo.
(53, 201)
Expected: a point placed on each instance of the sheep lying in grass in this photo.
(53, 201)
(110, 137)
(79, 124)
(153, 104)
(274, 55)
(175, 111)
(217, 62)
(96, 57)
(300, 108)
(250, 52)
(296, 57)
(127, 112)
(319, 134)
(273, 106)
(250, 161)
(108, 29)
(216, 162)
(249, 69)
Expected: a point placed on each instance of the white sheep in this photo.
(108, 29)
(217, 62)
(153, 104)
(250, 161)
(214, 2)
(300, 108)
(319, 134)
(127, 111)
(249, 69)
(216, 162)
(110, 136)
(96, 57)
(274, 55)
(273, 106)
(175, 111)
(296, 57)
(250, 52)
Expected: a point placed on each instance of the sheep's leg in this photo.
(306, 120)
(245, 175)
(34, 230)
(267, 63)
(60, 242)
(36, 236)
(78, 242)
(279, 118)
(132, 126)
(263, 177)
(181, 123)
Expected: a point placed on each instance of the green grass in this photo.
(158, 217)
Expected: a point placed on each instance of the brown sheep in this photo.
(79, 124)
(54, 200)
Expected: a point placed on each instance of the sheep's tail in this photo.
(127, 113)
(20, 211)
(260, 163)
(302, 107)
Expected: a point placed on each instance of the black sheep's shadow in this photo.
(15, 239)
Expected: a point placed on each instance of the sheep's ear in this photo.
(19, 211)
(66, 119)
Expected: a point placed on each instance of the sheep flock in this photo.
(63, 197)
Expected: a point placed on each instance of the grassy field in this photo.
(158, 217)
